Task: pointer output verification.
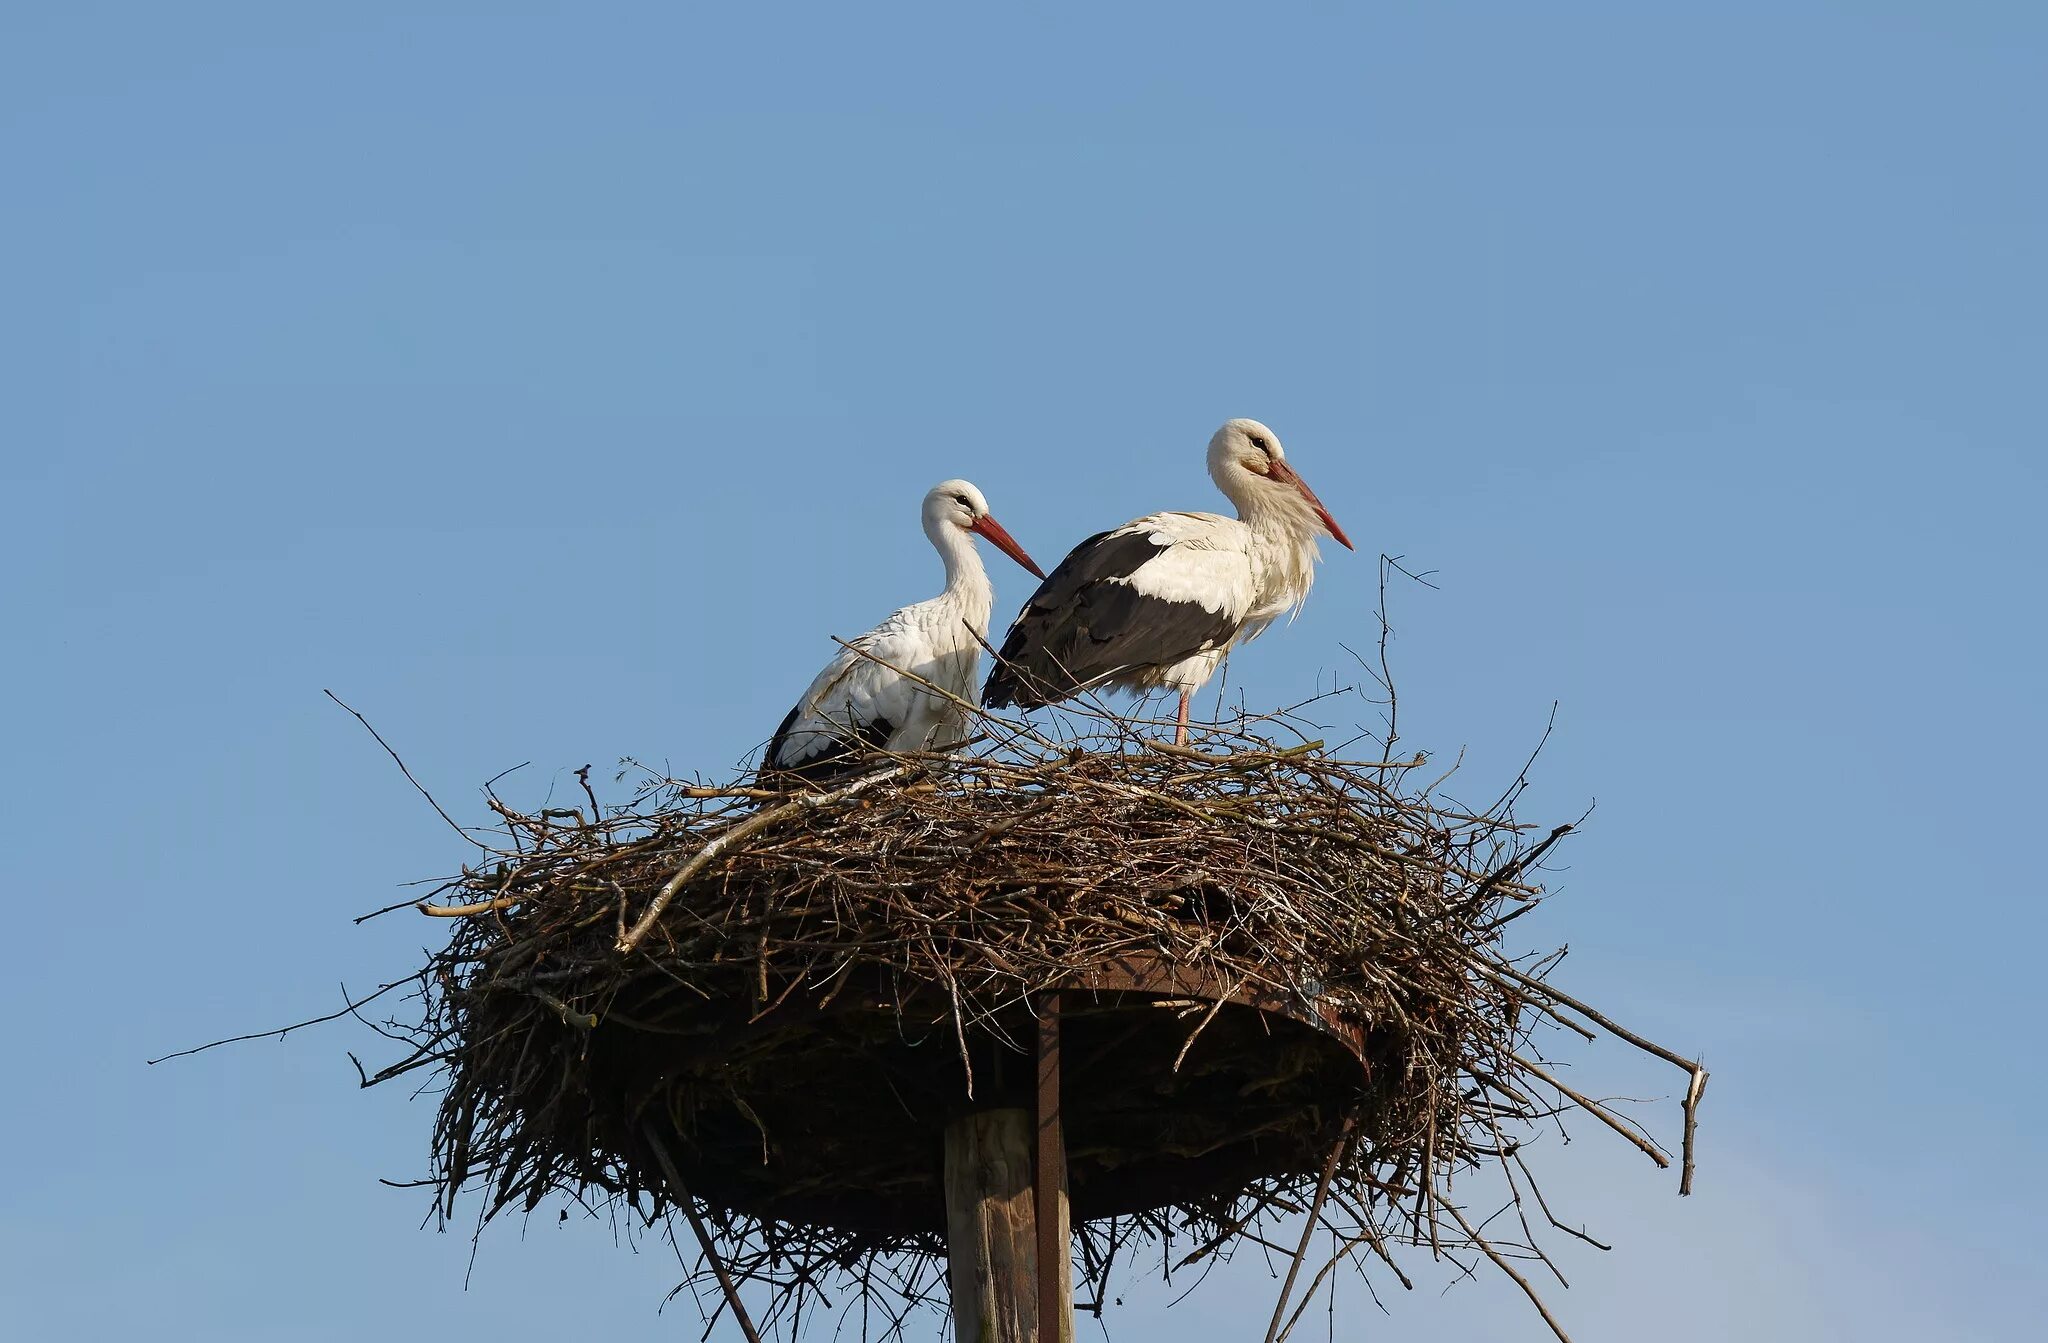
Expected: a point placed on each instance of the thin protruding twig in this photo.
(347, 1009)
(1600, 1112)
(688, 1204)
(1315, 1211)
(407, 772)
(1509, 871)
(1486, 1248)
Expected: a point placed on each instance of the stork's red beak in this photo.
(1284, 473)
(1003, 541)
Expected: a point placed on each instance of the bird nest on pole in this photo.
(1281, 980)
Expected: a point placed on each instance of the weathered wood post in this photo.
(1007, 1224)
(1049, 1191)
(991, 1235)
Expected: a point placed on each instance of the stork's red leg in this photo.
(1180, 722)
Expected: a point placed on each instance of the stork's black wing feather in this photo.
(1087, 625)
(841, 757)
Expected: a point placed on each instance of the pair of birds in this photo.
(1153, 604)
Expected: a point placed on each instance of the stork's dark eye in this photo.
(1259, 442)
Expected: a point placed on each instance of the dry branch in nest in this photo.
(1283, 989)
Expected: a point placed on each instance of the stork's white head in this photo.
(1248, 465)
(959, 506)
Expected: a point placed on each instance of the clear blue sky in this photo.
(552, 380)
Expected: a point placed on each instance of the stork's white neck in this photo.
(1284, 531)
(967, 582)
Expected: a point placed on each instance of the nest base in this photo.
(1173, 1088)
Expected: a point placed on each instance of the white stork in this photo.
(862, 703)
(1158, 602)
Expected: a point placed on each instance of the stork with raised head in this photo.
(862, 701)
(1158, 602)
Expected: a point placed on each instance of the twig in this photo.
(1523, 863)
(1486, 1248)
(711, 1256)
(1315, 1210)
(1600, 1112)
(347, 1009)
(462, 911)
(1693, 1091)
(407, 772)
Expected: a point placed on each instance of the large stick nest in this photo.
(1280, 973)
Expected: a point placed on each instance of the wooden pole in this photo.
(1049, 1194)
(991, 1240)
(1008, 1230)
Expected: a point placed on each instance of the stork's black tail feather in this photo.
(1008, 687)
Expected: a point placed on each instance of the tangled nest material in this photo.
(759, 1007)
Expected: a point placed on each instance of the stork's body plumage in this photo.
(1160, 601)
(862, 701)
